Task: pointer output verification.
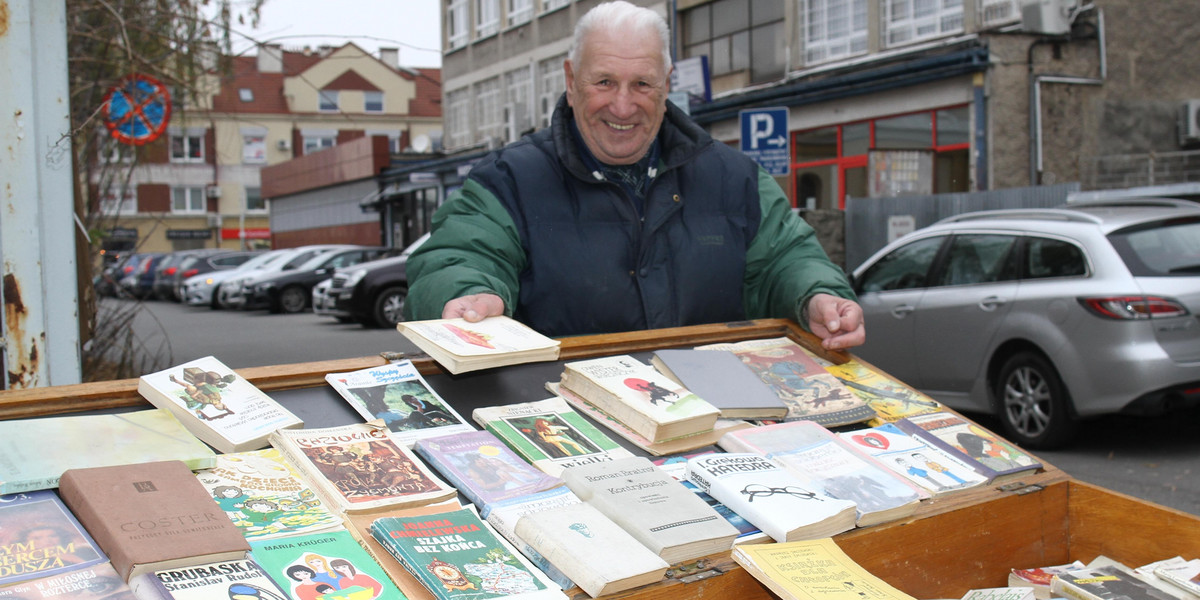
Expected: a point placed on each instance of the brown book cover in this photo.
(151, 516)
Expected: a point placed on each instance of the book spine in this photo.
(438, 461)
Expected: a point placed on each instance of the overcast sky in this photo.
(413, 26)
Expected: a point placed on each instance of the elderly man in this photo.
(625, 215)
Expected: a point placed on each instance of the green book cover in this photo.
(326, 566)
(549, 434)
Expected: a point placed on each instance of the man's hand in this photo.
(837, 321)
(474, 308)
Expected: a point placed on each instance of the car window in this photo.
(1045, 257)
(904, 268)
(345, 259)
(977, 258)
(1162, 249)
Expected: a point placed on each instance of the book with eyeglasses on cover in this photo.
(813, 570)
(461, 346)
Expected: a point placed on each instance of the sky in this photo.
(413, 26)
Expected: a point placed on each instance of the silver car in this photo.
(1043, 317)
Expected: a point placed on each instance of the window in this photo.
(904, 268)
(993, 13)
(254, 148)
(977, 258)
(187, 199)
(551, 84)
(519, 11)
(487, 17)
(118, 202)
(457, 116)
(246, 94)
(738, 35)
(327, 100)
(488, 108)
(834, 29)
(549, 5)
(187, 147)
(906, 132)
(315, 143)
(254, 199)
(1053, 258)
(456, 24)
(907, 21)
(373, 101)
(518, 84)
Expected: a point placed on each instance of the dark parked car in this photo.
(289, 290)
(165, 272)
(206, 263)
(108, 281)
(139, 283)
(372, 293)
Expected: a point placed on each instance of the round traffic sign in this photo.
(137, 109)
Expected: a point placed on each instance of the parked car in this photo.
(201, 289)
(165, 272)
(1042, 317)
(107, 282)
(290, 289)
(139, 283)
(207, 263)
(234, 292)
(372, 293)
(323, 304)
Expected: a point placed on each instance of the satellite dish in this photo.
(421, 143)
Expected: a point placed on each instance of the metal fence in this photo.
(1139, 170)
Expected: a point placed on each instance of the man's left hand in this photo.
(837, 321)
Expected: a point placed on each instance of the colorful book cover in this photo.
(992, 456)
(39, 537)
(549, 434)
(265, 497)
(924, 465)
(95, 582)
(890, 399)
(242, 579)
(397, 394)
(483, 469)
(324, 566)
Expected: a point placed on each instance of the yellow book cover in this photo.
(890, 399)
(813, 570)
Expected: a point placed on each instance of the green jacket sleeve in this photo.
(785, 264)
(474, 248)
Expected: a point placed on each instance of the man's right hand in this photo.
(474, 308)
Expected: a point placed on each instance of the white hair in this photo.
(625, 18)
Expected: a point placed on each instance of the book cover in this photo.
(1183, 574)
(221, 407)
(397, 394)
(359, 527)
(1039, 578)
(35, 452)
(808, 390)
(637, 395)
(232, 579)
(720, 378)
(992, 456)
(503, 517)
(151, 516)
(359, 468)
(813, 570)
(825, 462)
(932, 469)
(571, 537)
(39, 537)
(653, 507)
(93, 582)
(457, 556)
(482, 468)
(1105, 583)
(889, 398)
(323, 566)
(676, 466)
(776, 501)
(461, 346)
(549, 434)
(1000, 593)
(264, 496)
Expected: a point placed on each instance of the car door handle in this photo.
(902, 310)
(992, 303)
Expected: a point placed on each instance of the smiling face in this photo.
(619, 94)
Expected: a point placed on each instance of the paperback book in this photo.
(232, 579)
(397, 394)
(359, 468)
(549, 434)
(482, 468)
(264, 496)
(359, 527)
(93, 582)
(992, 456)
(503, 517)
(40, 537)
(889, 398)
(932, 469)
(1039, 578)
(1000, 593)
(461, 346)
(813, 570)
(1183, 574)
(676, 466)
(323, 566)
(1105, 583)
(221, 407)
(722, 380)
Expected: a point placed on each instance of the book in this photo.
(1039, 578)
(503, 517)
(216, 404)
(359, 468)
(637, 395)
(990, 455)
(234, 579)
(457, 556)
(1108, 582)
(808, 390)
(35, 452)
(653, 507)
(323, 566)
(40, 537)
(574, 537)
(548, 434)
(721, 379)
(264, 496)
(482, 468)
(926, 466)
(888, 397)
(397, 394)
(1183, 574)
(461, 346)
(813, 570)
(151, 516)
(94, 582)
(359, 527)
(1000, 593)
(676, 466)
(825, 462)
(776, 501)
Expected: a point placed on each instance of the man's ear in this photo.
(569, 79)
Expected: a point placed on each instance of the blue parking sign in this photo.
(765, 138)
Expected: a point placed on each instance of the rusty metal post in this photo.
(37, 217)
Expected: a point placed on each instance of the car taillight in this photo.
(169, 271)
(1132, 308)
(190, 273)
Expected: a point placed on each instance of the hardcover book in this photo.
(397, 394)
(825, 462)
(233, 579)
(776, 501)
(723, 380)
(35, 452)
(503, 517)
(457, 556)
(889, 398)
(461, 346)
(221, 407)
(808, 390)
(39, 537)
(359, 468)
(572, 537)
(482, 468)
(151, 516)
(993, 457)
(1105, 583)
(813, 570)
(655, 508)
(549, 434)
(932, 469)
(637, 395)
(94, 582)
(323, 566)
(264, 496)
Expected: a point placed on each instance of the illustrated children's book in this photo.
(397, 394)
(992, 456)
(889, 398)
(232, 579)
(265, 497)
(325, 566)
(221, 407)
(931, 468)
(460, 346)
(549, 434)
(95, 582)
(39, 537)
(482, 468)
(813, 570)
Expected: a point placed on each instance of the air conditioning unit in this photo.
(212, 191)
(1189, 122)
(215, 220)
(284, 145)
(1047, 17)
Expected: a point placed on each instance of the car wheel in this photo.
(1035, 408)
(293, 299)
(389, 307)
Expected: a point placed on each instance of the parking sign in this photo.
(765, 138)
